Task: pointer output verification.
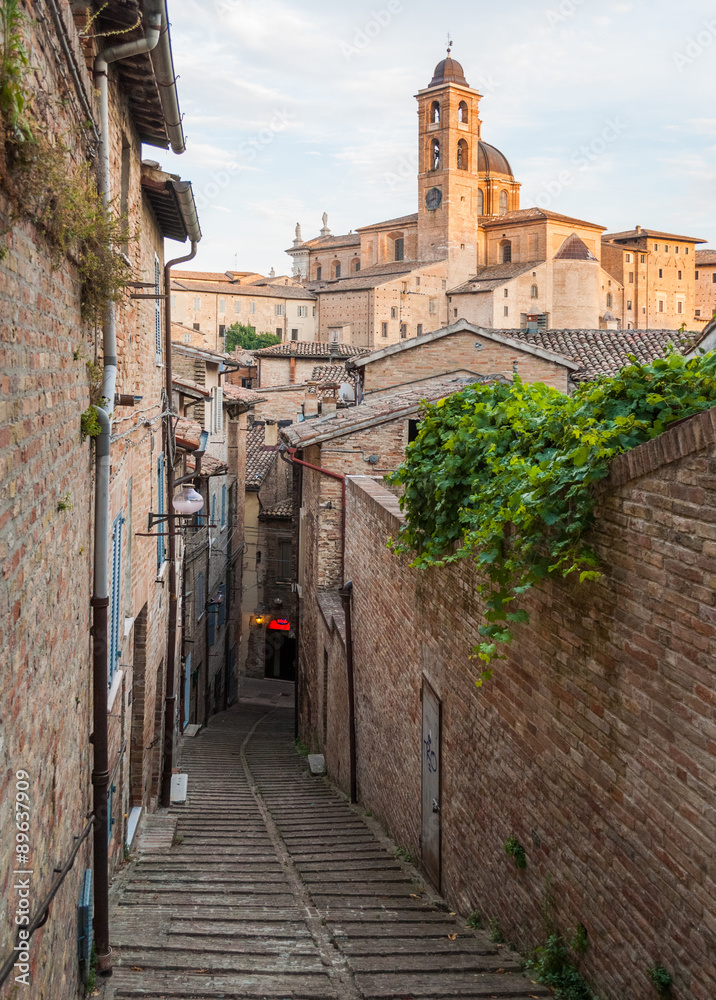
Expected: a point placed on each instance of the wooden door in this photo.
(430, 840)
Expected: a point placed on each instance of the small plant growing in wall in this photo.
(661, 980)
(64, 502)
(89, 424)
(553, 965)
(515, 850)
(496, 934)
(474, 921)
(580, 940)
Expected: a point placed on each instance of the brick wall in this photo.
(458, 350)
(593, 744)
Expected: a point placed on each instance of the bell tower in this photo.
(448, 179)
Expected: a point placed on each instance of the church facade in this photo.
(470, 252)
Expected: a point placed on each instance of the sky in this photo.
(606, 110)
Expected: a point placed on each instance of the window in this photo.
(302, 311)
(158, 309)
(223, 507)
(661, 305)
(393, 312)
(237, 306)
(629, 304)
(609, 300)
(435, 113)
(631, 277)
(462, 112)
(399, 248)
(197, 303)
(420, 330)
(433, 306)
(506, 311)
(666, 249)
(280, 309)
(222, 329)
(222, 305)
(252, 307)
(454, 312)
(319, 271)
(279, 331)
(679, 307)
(384, 329)
(199, 596)
(643, 258)
(187, 338)
(462, 155)
(534, 292)
(404, 287)
(656, 247)
(294, 334)
(697, 275)
(661, 272)
(435, 154)
(503, 202)
(160, 508)
(676, 249)
(403, 331)
(713, 277)
(336, 270)
(284, 558)
(679, 275)
(480, 202)
(195, 326)
(417, 282)
(115, 596)
(686, 250)
(698, 312)
(507, 293)
(627, 258)
(506, 252)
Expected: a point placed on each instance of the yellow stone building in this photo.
(471, 252)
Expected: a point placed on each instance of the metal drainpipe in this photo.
(100, 591)
(170, 700)
(346, 593)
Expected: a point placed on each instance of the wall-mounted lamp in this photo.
(187, 500)
(258, 619)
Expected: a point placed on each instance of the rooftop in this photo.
(232, 276)
(705, 257)
(402, 220)
(234, 288)
(310, 349)
(328, 243)
(491, 275)
(533, 215)
(258, 461)
(238, 394)
(332, 374)
(369, 277)
(639, 233)
(282, 508)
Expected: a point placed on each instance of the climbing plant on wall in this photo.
(505, 475)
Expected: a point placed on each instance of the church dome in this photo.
(448, 71)
(491, 160)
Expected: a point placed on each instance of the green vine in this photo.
(553, 965)
(505, 475)
(515, 850)
(661, 980)
(14, 62)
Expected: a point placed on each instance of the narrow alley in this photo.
(268, 884)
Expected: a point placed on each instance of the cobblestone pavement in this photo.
(272, 886)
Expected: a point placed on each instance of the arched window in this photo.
(609, 300)
(336, 270)
(534, 292)
(462, 112)
(355, 264)
(505, 252)
(462, 155)
(435, 154)
(503, 202)
(435, 113)
(399, 248)
(480, 202)
(319, 271)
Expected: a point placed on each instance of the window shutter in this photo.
(160, 504)
(115, 596)
(213, 509)
(219, 409)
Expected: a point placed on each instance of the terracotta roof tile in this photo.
(241, 395)
(632, 234)
(528, 214)
(250, 290)
(705, 257)
(187, 433)
(309, 349)
(333, 374)
(258, 461)
(369, 277)
(402, 220)
(209, 466)
(283, 508)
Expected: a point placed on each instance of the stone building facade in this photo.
(51, 356)
(705, 295)
(470, 228)
(592, 745)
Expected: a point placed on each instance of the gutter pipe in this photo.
(163, 63)
(170, 720)
(100, 591)
(346, 593)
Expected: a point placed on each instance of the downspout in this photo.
(170, 700)
(100, 593)
(346, 593)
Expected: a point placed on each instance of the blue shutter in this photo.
(213, 509)
(115, 596)
(84, 925)
(223, 506)
(110, 818)
(160, 495)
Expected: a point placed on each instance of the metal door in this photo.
(430, 841)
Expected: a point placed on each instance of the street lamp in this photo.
(187, 500)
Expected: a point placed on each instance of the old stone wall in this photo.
(593, 745)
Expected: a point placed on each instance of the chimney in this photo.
(329, 400)
(334, 349)
(270, 434)
(638, 229)
(310, 400)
